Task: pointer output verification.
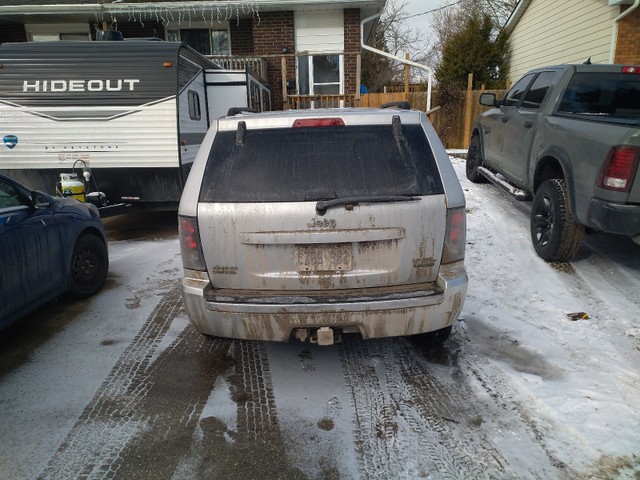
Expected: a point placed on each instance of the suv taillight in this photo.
(190, 244)
(619, 169)
(456, 235)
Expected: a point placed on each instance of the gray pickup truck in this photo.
(568, 136)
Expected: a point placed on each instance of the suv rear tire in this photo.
(555, 235)
(475, 160)
(435, 338)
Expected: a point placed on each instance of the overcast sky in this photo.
(417, 8)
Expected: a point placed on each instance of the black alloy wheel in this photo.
(474, 160)
(555, 235)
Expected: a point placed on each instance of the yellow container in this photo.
(70, 186)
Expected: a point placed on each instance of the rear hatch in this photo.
(322, 207)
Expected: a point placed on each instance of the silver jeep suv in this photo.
(315, 223)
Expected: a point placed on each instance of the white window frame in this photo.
(55, 29)
(312, 82)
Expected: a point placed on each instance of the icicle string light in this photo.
(185, 15)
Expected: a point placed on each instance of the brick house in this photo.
(308, 51)
(548, 32)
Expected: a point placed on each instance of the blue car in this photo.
(49, 246)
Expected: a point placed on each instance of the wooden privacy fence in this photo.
(456, 116)
(453, 119)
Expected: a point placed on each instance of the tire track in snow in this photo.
(513, 414)
(257, 413)
(404, 425)
(179, 384)
(109, 421)
(255, 449)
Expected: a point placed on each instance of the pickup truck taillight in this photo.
(456, 235)
(190, 248)
(619, 169)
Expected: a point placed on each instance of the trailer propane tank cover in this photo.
(70, 186)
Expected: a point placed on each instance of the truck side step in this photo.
(493, 178)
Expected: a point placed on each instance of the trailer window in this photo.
(255, 95)
(194, 105)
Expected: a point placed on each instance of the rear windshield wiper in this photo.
(601, 114)
(323, 205)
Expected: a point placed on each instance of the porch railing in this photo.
(257, 64)
(302, 102)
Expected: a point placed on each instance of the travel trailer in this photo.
(125, 118)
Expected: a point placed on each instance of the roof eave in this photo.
(124, 6)
(515, 16)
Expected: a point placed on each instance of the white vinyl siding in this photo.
(554, 32)
(319, 31)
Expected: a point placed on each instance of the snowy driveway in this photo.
(120, 385)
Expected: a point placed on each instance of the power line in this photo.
(431, 11)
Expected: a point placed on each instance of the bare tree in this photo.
(498, 10)
(394, 36)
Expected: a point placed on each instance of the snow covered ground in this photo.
(538, 381)
(580, 379)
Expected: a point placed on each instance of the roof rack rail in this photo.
(240, 133)
(396, 125)
(236, 110)
(399, 105)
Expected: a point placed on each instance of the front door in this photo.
(521, 128)
(494, 139)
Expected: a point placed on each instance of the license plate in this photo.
(323, 258)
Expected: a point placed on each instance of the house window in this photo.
(320, 75)
(58, 32)
(208, 41)
(194, 105)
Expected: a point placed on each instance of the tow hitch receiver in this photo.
(323, 336)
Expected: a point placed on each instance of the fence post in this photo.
(358, 79)
(468, 111)
(285, 98)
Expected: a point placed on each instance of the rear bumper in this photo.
(373, 313)
(615, 217)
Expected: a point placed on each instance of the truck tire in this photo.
(89, 266)
(555, 235)
(474, 160)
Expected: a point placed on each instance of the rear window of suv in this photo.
(319, 163)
